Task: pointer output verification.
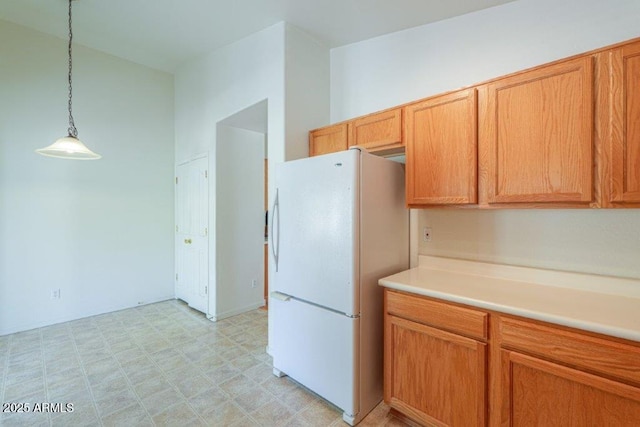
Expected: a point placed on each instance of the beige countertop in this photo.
(603, 304)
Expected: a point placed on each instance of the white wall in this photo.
(239, 221)
(587, 240)
(271, 64)
(218, 85)
(100, 231)
(427, 60)
(306, 90)
(397, 68)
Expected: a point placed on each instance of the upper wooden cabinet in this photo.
(379, 132)
(619, 124)
(441, 150)
(536, 136)
(566, 134)
(328, 139)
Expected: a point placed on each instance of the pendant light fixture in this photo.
(69, 147)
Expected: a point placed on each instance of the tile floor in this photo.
(159, 364)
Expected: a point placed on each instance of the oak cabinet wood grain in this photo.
(564, 134)
(433, 376)
(536, 136)
(380, 133)
(448, 364)
(460, 320)
(556, 376)
(441, 150)
(329, 139)
(619, 120)
(599, 355)
(541, 393)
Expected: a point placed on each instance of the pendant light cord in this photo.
(72, 127)
(69, 147)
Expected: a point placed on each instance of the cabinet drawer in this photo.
(600, 355)
(464, 321)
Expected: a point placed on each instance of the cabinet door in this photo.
(536, 136)
(328, 140)
(540, 393)
(432, 376)
(380, 132)
(622, 183)
(441, 152)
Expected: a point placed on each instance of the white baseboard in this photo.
(225, 314)
(88, 312)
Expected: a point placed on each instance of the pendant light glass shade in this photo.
(69, 147)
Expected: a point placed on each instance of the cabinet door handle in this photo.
(187, 241)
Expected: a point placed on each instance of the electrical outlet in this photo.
(55, 293)
(426, 234)
(254, 283)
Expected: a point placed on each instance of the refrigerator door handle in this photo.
(275, 238)
(280, 296)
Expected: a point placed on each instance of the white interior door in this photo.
(192, 229)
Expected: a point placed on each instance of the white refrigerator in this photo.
(338, 224)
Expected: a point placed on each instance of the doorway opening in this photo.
(240, 212)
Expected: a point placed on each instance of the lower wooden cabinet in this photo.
(554, 376)
(436, 377)
(432, 374)
(537, 392)
(452, 365)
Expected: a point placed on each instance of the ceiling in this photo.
(162, 34)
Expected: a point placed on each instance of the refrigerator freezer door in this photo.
(317, 230)
(317, 348)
